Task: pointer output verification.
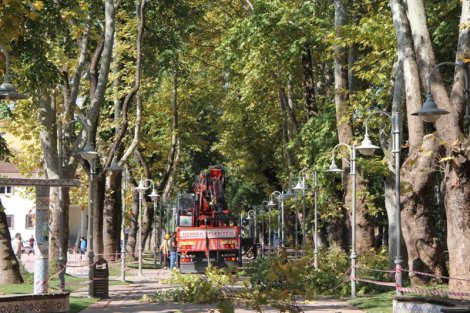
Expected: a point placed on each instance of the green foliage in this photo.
(276, 280)
(374, 260)
(332, 275)
(198, 288)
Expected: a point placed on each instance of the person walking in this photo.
(31, 245)
(173, 246)
(82, 245)
(17, 246)
(165, 250)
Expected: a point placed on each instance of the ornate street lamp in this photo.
(155, 196)
(141, 188)
(367, 148)
(88, 153)
(334, 169)
(301, 187)
(279, 196)
(252, 216)
(430, 112)
(116, 168)
(7, 89)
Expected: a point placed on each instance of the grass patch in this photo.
(78, 304)
(376, 303)
(131, 265)
(71, 283)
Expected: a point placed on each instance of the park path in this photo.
(125, 298)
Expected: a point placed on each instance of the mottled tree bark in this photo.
(308, 81)
(9, 265)
(131, 247)
(457, 169)
(457, 178)
(364, 230)
(112, 213)
(425, 250)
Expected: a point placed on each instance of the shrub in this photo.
(200, 289)
(332, 274)
(374, 260)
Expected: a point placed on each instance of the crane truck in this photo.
(206, 233)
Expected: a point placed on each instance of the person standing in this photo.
(165, 250)
(173, 246)
(17, 246)
(31, 245)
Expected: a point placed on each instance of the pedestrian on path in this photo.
(17, 246)
(82, 245)
(173, 246)
(31, 245)
(165, 250)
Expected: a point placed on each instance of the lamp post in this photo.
(88, 153)
(269, 206)
(301, 187)
(334, 169)
(141, 188)
(279, 197)
(123, 247)
(252, 215)
(7, 89)
(285, 195)
(430, 112)
(262, 219)
(367, 148)
(155, 196)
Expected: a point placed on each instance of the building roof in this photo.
(6, 167)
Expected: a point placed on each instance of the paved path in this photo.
(125, 298)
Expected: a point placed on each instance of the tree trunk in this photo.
(413, 103)
(456, 181)
(364, 230)
(308, 81)
(293, 126)
(9, 265)
(285, 129)
(171, 164)
(111, 216)
(99, 191)
(147, 222)
(131, 248)
(425, 250)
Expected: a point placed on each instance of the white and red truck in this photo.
(206, 233)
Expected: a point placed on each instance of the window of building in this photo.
(6, 190)
(10, 221)
(29, 221)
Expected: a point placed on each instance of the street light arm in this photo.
(276, 194)
(151, 183)
(350, 149)
(376, 113)
(467, 83)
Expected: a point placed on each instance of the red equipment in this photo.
(206, 234)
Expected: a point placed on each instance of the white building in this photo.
(19, 203)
